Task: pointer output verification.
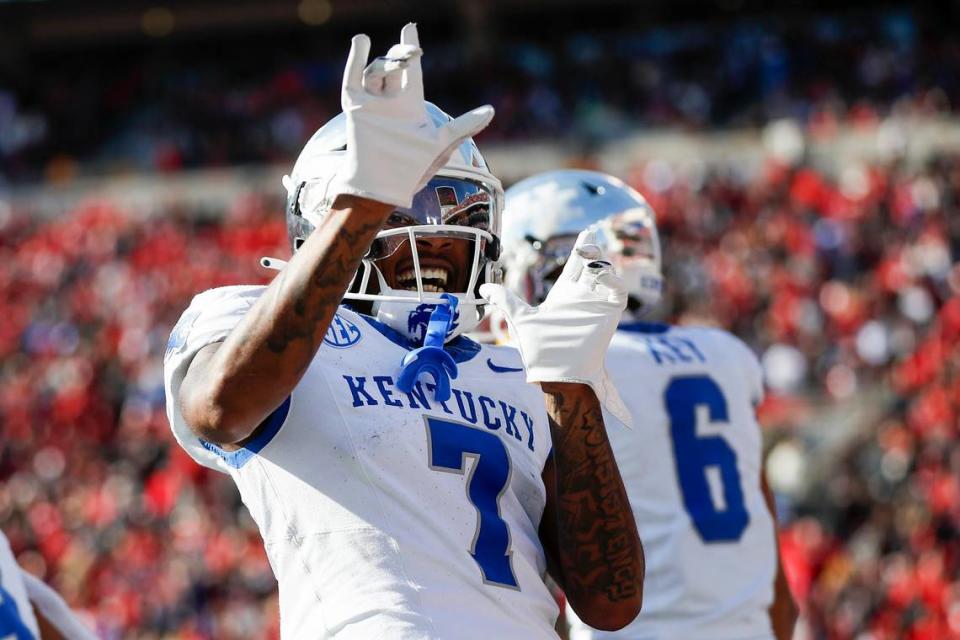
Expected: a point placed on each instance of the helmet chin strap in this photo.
(431, 359)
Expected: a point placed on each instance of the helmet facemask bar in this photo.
(631, 241)
(473, 203)
(482, 263)
(551, 256)
(630, 238)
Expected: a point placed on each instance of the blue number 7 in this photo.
(694, 454)
(450, 445)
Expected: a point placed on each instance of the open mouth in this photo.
(434, 279)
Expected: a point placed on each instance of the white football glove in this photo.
(393, 148)
(566, 337)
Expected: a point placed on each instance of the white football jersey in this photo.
(691, 466)
(17, 620)
(386, 514)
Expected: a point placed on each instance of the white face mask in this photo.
(408, 312)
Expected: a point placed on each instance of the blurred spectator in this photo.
(121, 522)
(257, 98)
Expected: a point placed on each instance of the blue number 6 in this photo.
(451, 444)
(694, 454)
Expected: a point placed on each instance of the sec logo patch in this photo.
(178, 337)
(342, 333)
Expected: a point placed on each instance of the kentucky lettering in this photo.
(477, 409)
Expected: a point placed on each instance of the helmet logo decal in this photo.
(178, 337)
(341, 333)
(594, 190)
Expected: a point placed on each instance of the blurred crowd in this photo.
(94, 494)
(841, 284)
(163, 107)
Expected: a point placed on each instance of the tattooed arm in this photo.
(588, 532)
(231, 387)
(783, 610)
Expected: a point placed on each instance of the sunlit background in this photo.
(804, 163)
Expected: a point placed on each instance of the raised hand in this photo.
(393, 147)
(565, 338)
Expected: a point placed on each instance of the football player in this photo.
(31, 610)
(408, 482)
(692, 465)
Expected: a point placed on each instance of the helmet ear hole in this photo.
(294, 205)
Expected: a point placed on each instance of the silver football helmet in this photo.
(545, 213)
(463, 200)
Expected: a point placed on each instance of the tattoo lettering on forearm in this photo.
(599, 547)
(266, 354)
(317, 295)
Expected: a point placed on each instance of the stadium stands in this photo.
(168, 107)
(840, 286)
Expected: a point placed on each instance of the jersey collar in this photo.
(460, 348)
(644, 327)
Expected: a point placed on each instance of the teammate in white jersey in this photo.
(692, 465)
(31, 610)
(408, 482)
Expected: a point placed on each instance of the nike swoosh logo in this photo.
(499, 369)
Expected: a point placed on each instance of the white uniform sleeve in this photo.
(210, 318)
(752, 369)
(52, 607)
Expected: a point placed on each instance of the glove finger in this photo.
(409, 36)
(356, 62)
(590, 252)
(595, 278)
(615, 286)
(393, 81)
(401, 56)
(455, 132)
(384, 76)
(502, 298)
(587, 238)
(573, 269)
(591, 272)
(500, 327)
(374, 77)
(469, 124)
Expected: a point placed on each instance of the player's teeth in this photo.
(435, 274)
(410, 276)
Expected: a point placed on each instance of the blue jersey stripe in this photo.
(270, 428)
